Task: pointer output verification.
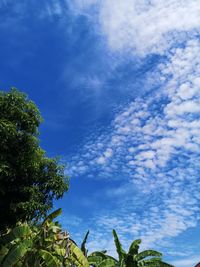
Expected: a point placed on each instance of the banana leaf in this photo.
(120, 251)
(52, 216)
(77, 254)
(134, 247)
(108, 263)
(83, 248)
(16, 253)
(147, 253)
(49, 259)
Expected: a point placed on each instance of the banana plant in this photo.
(43, 245)
(134, 258)
(96, 258)
(27, 245)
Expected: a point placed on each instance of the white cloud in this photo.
(145, 26)
(144, 136)
(101, 160)
(153, 145)
(108, 153)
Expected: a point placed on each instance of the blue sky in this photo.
(118, 85)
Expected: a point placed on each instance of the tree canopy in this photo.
(29, 180)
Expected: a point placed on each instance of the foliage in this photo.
(101, 259)
(42, 245)
(83, 247)
(132, 258)
(76, 257)
(29, 179)
(27, 245)
(45, 245)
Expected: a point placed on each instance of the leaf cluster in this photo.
(40, 245)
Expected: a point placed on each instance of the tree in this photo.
(29, 180)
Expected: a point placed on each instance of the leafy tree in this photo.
(29, 180)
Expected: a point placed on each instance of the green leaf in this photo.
(54, 228)
(21, 231)
(157, 262)
(52, 216)
(77, 254)
(120, 251)
(83, 248)
(94, 260)
(49, 259)
(16, 253)
(147, 253)
(59, 250)
(99, 254)
(97, 257)
(134, 247)
(122, 264)
(108, 263)
(3, 252)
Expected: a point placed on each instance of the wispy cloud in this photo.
(151, 131)
(145, 27)
(153, 144)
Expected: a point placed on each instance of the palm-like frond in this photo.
(95, 260)
(52, 216)
(147, 253)
(83, 247)
(134, 247)
(109, 263)
(16, 253)
(154, 262)
(49, 259)
(120, 251)
(77, 257)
